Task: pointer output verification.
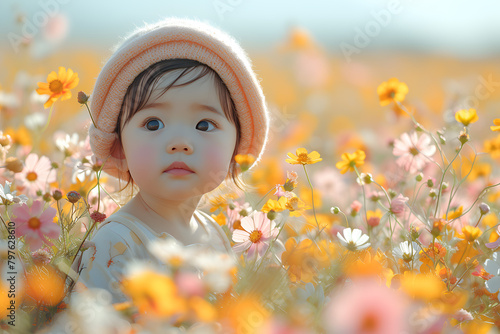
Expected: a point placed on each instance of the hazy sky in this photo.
(461, 28)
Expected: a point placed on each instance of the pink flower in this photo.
(35, 224)
(398, 204)
(257, 232)
(36, 175)
(413, 152)
(366, 307)
(462, 315)
(355, 207)
(237, 213)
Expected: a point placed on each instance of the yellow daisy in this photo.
(303, 158)
(58, 85)
(392, 90)
(466, 117)
(350, 160)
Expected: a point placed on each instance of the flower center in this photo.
(407, 257)
(413, 151)
(351, 246)
(392, 94)
(56, 86)
(303, 157)
(255, 236)
(369, 323)
(31, 176)
(34, 223)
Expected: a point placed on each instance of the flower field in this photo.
(375, 208)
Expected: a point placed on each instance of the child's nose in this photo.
(180, 146)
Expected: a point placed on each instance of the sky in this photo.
(464, 29)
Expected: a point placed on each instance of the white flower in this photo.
(35, 120)
(406, 251)
(353, 239)
(492, 267)
(172, 252)
(216, 268)
(10, 196)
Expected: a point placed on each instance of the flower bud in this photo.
(55, 165)
(57, 195)
(14, 164)
(5, 140)
(433, 193)
(335, 210)
(82, 98)
(430, 183)
(232, 206)
(243, 213)
(47, 197)
(463, 137)
(419, 177)
(442, 140)
(392, 193)
(271, 215)
(484, 208)
(414, 233)
(73, 196)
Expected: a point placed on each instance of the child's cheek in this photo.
(215, 160)
(144, 159)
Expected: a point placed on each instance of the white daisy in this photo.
(406, 251)
(492, 267)
(353, 239)
(10, 196)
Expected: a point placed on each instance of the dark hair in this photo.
(141, 89)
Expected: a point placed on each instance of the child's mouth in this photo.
(179, 171)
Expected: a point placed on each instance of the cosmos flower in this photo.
(58, 85)
(256, 234)
(353, 239)
(413, 152)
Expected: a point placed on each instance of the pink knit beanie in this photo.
(169, 39)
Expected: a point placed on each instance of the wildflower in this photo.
(463, 137)
(437, 226)
(45, 285)
(295, 205)
(9, 196)
(366, 307)
(57, 195)
(303, 158)
(273, 205)
(171, 252)
(364, 179)
(426, 287)
(245, 161)
(58, 85)
(98, 217)
(5, 140)
(412, 151)
(351, 160)
(462, 315)
(35, 224)
(496, 127)
(335, 210)
(82, 97)
(406, 251)
(355, 207)
(373, 217)
(492, 267)
(484, 208)
(36, 174)
(235, 211)
(301, 259)
(392, 90)
(493, 147)
(73, 196)
(41, 256)
(398, 204)
(353, 239)
(470, 233)
(256, 234)
(153, 293)
(466, 117)
(291, 181)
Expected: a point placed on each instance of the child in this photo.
(172, 107)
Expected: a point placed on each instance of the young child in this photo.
(173, 106)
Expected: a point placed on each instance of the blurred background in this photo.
(320, 63)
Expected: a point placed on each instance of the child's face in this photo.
(185, 124)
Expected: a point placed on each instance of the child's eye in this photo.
(205, 125)
(154, 124)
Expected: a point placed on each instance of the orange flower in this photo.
(58, 85)
(302, 260)
(351, 160)
(392, 90)
(303, 158)
(492, 147)
(496, 127)
(470, 233)
(45, 285)
(466, 117)
(245, 161)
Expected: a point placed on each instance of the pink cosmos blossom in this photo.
(413, 152)
(35, 224)
(366, 307)
(36, 175)
(398, 204)
(279, 191)
(257, 232)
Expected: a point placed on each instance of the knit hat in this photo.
(169, 39)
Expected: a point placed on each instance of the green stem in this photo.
(48, 119)
(442, 179)
(312, 198)
(86, 104)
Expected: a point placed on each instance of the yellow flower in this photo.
(154, 294)
(350, 160)
(58, 85)
(303, 158)
(421, 286)
(295, 205)
(273, 205)
(244, 160)
(466, 117)
(493, 147)
(455, 214)
(220, 218)
(496, 127)
(392, 90)
(470, 233)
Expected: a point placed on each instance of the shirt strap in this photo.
(219, 230)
